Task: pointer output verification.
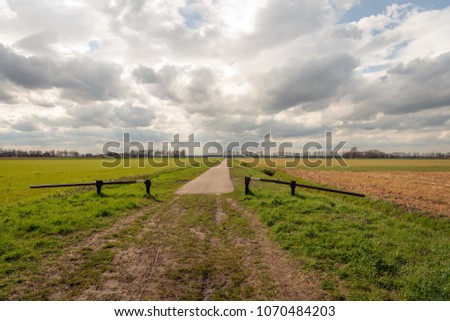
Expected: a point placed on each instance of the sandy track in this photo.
(215, 181)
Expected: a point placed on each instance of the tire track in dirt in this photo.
(291, 282)
(72, 258)
(137, 269)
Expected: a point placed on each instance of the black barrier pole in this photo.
(62, 185)
(331, 190)
(272, 181)
(293, 184)
(98, 184)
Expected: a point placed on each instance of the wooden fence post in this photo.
(247, 183)
(293, 185)
(148, 184)
(99, 185)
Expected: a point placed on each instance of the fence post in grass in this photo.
(293, 185)
(99, 185)
(247, 183)
(148, 184)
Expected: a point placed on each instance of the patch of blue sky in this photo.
(390, 26)
(192, 19)
(397, 48)
(94, 45)
(376, 32)
(374, 68)
(373, 7)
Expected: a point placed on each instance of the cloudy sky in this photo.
(76, 74)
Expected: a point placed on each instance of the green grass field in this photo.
(16, 175)
(359, 249)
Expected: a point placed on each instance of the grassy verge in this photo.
(365, 250)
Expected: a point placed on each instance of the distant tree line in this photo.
(352, 153)
(374, 153)
(149, 153)
(40, 153)
(75, 154)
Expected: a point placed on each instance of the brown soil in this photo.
(423, 191)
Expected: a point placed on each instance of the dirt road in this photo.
(187, 247)
(183, 253)
(214, 181)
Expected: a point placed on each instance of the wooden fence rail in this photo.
(293, 185)
(98, 184)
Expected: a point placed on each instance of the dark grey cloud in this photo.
(38, 43)
(196, 90)
(27, 124)
(132, 116)
(17, 139)
(32, 123)
(85, 116)
(91, 80)
(239, 127)
(106, 115)
(30, 72)
(146, 75)
(80, 79)
(5, 96)
(312, 83)
(347, 31)
(202, 86)
(422, 84)
(167, 88)
(419, 121)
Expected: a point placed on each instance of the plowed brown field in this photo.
(423, 191)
